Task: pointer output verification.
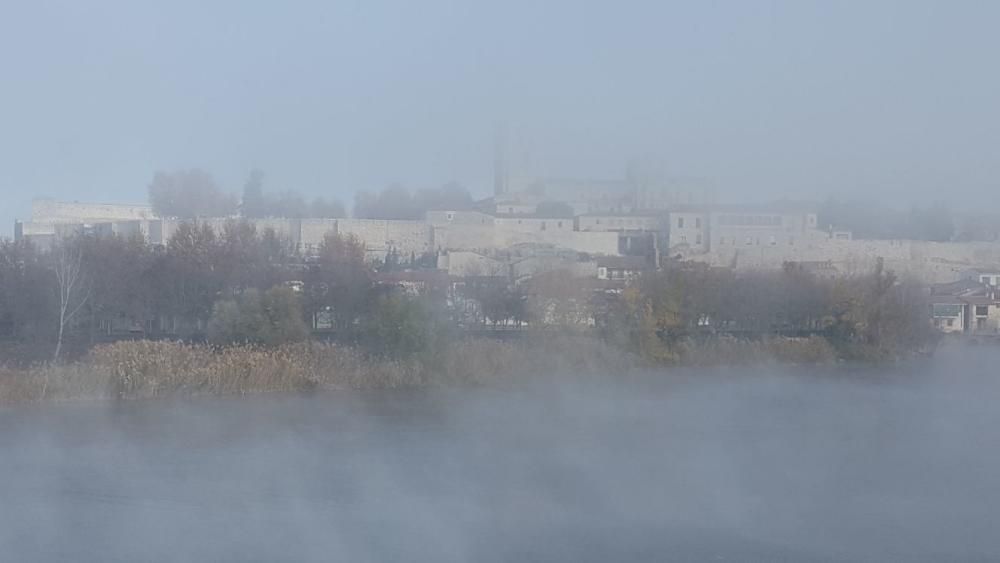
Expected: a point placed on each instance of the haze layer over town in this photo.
(892, 100)
(510, 281)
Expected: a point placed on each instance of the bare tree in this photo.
(74, 291)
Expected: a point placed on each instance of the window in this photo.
(597, 221)
(773, 241)
(559, 224)
(450, 215)
(982, 310)
(697, 222)
(950, 322)
(791, 241)
(749, 241)
(684, 239)
(510, 210)
(543, 225)
(750, 220)
(946, 310)
(680, 222)
(697, 238)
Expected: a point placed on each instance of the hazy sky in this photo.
(896, 99)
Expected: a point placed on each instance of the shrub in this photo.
(272, 319)
(404, 328)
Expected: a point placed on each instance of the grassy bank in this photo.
(735, 351)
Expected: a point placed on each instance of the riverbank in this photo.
(150, 369)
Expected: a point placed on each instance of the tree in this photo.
(449, 196)
(185, 278)
(340, 281)
(27, 301)
(871, 220)
(365, 204)
(288, 204)
(404, 327)
(189, 194)
(559, 298)
(74, 289)
(984, 226)
(326, 209)
(253, 204)
(396, 202)
(244, 259)
(271, 318)
(501, 304)
(116, 267)
(934, 222)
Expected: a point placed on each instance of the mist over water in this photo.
(740, 464)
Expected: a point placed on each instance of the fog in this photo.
(765, 464)
(892, 99)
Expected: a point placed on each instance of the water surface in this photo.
(714, 465)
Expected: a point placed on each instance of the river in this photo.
(751, 464)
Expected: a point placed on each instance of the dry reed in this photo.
(148, 369)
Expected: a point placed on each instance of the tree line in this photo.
(935, 222)
(194, 193)
(242, 285)
(870, 316)
(89, 285)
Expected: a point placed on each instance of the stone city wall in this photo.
(312, 232)
(53, 211)
(381, 236)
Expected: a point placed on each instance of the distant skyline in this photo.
(892, 100)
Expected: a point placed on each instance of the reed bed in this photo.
(149, 369)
